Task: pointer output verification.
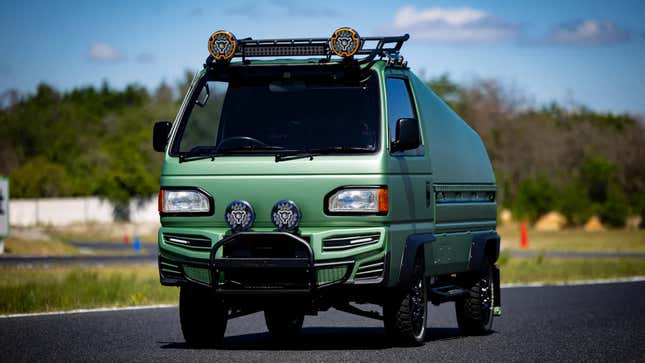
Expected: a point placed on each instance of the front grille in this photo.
(189, 241)
(258, 261)
(334, 244)
(370, 270)
(271, 246)
(274, 278)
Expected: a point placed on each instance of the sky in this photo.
(575, 52)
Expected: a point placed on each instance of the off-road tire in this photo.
(283, 324)
(475, 310)
(203, 317)
(405, 315)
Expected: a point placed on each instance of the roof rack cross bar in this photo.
(284, 47)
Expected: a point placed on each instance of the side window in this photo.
(399, 105)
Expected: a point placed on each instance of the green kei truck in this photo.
(324, 175)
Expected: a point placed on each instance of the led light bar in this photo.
(284, 50)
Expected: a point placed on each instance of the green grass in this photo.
(55, 247)
(99, 232)
(52, 247)
(65, 288)
(618, 240)
(541, 269)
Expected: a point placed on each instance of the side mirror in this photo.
(407, 135)
(160, 135)
(203, 96)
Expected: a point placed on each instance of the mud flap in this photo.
(497, 297)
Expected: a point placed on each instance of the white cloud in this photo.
(103, 52)
(452, 25)
(588, 32)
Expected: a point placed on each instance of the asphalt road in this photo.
(564, 323)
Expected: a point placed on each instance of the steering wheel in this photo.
(241, 138)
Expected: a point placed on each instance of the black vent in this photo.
(370, 270)
(169, 269)
(188, 241)
(348, 242)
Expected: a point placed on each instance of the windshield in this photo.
(273, 116)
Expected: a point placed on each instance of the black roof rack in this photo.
(370, 48)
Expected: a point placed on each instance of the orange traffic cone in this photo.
(524, 236)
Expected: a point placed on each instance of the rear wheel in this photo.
(284, 324)
(475, 310)
(405, 315)
(203, 316)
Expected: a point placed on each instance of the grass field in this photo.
(64, 288)
(51, 247)
(108, 232)
(618, 240)
(55, 247)
(540, 269)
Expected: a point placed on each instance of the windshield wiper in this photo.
(212, 152)
(310, 153)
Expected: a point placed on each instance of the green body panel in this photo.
(453, 159)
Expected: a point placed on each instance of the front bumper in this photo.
(268, 262)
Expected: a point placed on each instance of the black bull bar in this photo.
(262, 262)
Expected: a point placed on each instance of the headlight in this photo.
(185, 201)
(359, 200)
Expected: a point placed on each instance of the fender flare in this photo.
(484, 246)
(412, 245)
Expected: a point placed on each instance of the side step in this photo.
(446, 293)
(350, 309)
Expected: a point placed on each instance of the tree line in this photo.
(97, 141)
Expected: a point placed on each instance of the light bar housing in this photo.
(345, 42)
(222, 45)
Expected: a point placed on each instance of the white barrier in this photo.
(66, 211)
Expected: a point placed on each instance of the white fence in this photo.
(66, 211)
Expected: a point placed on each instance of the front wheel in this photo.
(405, 315)
(475, 310)
(203, 316)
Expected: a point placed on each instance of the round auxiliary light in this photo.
(286, 216)
(222, 45)
(239, 215)
(345, 42)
